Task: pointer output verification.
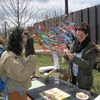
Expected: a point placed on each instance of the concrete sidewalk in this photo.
(39, 50)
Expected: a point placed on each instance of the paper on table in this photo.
(54, 94)
(36, 84)
(97, 98)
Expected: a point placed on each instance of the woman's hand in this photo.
(70, 56)
(67, 52)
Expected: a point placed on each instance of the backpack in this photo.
(3, 85)
(1, 82)
(1, 51)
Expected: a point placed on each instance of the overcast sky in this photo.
(48, 6)
(59, 5)
(73, 5)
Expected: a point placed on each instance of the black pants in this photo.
(74, 78)
(73, 81)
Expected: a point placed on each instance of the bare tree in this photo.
(18, 12)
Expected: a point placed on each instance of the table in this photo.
(63, 85)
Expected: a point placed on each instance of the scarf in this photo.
(78, 47)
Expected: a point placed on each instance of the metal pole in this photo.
(66, 6)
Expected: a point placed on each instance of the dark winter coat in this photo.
(29, 47)
(86, 64)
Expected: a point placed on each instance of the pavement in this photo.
(39, 50)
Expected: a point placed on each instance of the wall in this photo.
(92, 16)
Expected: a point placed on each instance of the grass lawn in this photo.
(96, 84)
(44, 60)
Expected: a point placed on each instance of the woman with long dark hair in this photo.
(15, 67)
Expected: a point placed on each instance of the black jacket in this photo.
(29, 47)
